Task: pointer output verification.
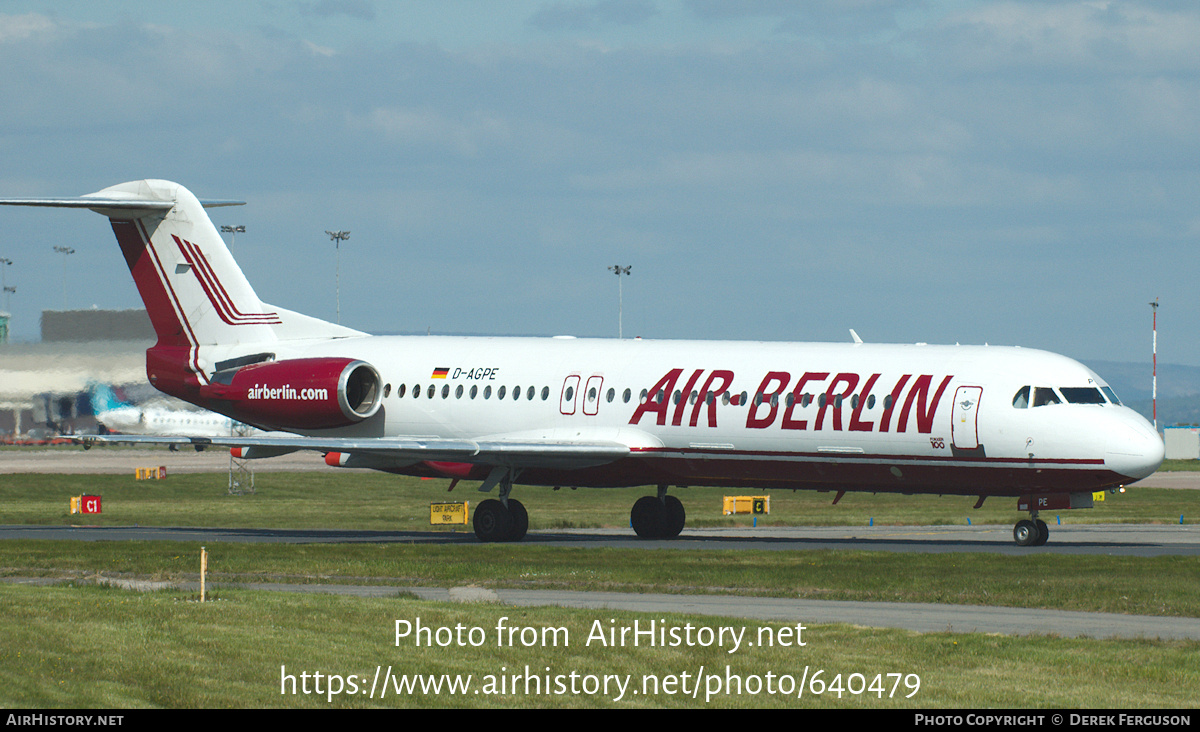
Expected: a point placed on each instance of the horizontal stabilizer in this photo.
(110, 204)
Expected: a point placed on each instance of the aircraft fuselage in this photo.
(903, 418)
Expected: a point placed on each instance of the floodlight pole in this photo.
(338, 237)
(233, 231)
(4, 265)
(64, 251)
(1154, 372)
(618, 270)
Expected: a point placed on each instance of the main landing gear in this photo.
(1031, 531)
(495, 521)
(503, 519)
(658, 517)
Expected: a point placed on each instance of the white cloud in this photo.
(424, 127)
(1100, 35)
(21, 27)
(319, 50)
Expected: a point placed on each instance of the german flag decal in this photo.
(440, 373)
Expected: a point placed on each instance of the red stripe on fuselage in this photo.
(163, 315)
(195, 354)
(181, 314)
(162, 306)
(966, 479)
(217, 295)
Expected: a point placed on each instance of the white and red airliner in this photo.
(964, 420)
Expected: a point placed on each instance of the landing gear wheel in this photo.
(492, 522)
(674, 519)
(1043, 532)
(1026, 533)
(520, 520)
(648, 517)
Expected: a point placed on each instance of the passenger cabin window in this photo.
(1044, 395)
(1021, 398)
(1082, 394)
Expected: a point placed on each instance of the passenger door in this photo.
(964, 427)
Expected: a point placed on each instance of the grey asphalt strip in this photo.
(917, 617)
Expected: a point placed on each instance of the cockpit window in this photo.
(1044, 395)
(1082, 394)
(1021, 399)
(1112, 395)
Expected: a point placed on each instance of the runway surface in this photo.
(1136, 540)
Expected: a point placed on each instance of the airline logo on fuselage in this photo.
(845, 401)
(286, 392)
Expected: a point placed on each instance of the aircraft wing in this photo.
(524, 453)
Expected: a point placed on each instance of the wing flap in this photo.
(515, 453)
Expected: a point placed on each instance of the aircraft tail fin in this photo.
(104, 399)
(194, 291)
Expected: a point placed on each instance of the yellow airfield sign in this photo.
(746, 504)
(442, 514)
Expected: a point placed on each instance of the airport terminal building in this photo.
(44, 386)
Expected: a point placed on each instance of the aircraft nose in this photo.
(1135, 448)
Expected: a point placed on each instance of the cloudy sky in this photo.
(1005, 172)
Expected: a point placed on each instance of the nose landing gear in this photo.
(1031, 531)
(1034, 532)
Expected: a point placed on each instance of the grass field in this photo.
(84, 646)
(337, 500)
(1180, 465)
(1136, 585)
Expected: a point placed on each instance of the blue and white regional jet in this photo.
(966, 420)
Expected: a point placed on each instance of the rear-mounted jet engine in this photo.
(302, 393)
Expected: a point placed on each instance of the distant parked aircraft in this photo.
(121, 416)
